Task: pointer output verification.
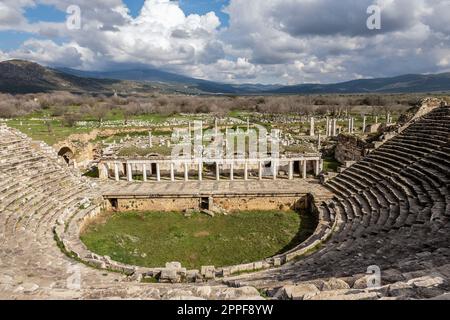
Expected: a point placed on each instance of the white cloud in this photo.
(12, 14)
(290, 41)
(49, 53)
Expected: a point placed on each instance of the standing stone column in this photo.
(349, 125)
(246, 171)
(200, 170)
(319, 142)
(353, 125)
(186, 172)
(304, 169)
(334, 127)
(291, 170)
(232, 171)
(317, 168)
(217, 171)
(376, 120)
(158, 172)
(275, 170)
(103, 171)
(260, 170)
(144, 172)
(327, 128)
(129, 172)
(311, 128)
(172, 171)
(364, 124)
(116, 172)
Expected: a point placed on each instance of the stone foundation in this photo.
(170, 204)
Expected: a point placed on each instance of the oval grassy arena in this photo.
(150, 239)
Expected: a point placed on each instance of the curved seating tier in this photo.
(392, 210)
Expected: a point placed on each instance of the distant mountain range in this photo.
(162, 77)
(18, 76)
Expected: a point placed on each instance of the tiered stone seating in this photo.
(38, 192)
(393, 211)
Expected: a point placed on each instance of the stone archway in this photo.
(67, 154)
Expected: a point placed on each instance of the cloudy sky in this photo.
(238, 41)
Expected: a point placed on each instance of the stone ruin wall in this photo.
(245, 203)
(179, 274)
(82, 146)
(350, 148)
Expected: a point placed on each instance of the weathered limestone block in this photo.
(237, 293)
(208, 272)
(335, 284)
(172, 275)
(429, 286)
(345, 295)
(426, 282)
(193, 275)
(361, 283)
(173, 265)
(401, 289)
(258, 265)
(297, 292)
(391, 276)
(277, 262)
(204, 291)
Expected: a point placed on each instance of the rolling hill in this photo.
(401, 84)
(18, 76)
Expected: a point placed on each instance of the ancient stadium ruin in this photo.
(388, 211)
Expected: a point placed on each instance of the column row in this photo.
(263, 171)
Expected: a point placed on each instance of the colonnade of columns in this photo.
(331, 128)
(272, 170)
(331, 125)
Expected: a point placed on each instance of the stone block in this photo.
(258, 265)
(297, 292)
(173, 265)
(192, 275)
(276, 262)
(169, 276)
(208, 272)
(335, 284)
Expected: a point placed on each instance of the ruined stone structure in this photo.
(263, 168)
(390, 211)
(351, 148)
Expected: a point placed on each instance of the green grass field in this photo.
(154, 238)
(38, 130)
